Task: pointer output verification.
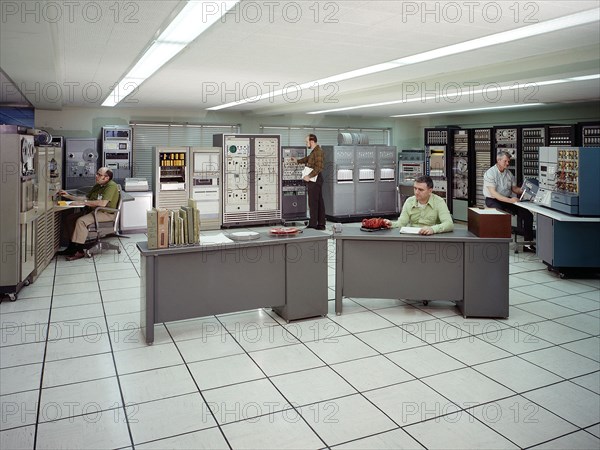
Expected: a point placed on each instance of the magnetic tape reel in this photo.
(90, 155)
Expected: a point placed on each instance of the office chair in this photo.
(406, 189)
(100, 230)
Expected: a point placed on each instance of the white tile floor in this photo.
(76, 373)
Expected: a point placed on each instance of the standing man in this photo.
(316, 161)
(425, 209)
(498, 188)
(105, 193)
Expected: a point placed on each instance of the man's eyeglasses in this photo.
(100, 174)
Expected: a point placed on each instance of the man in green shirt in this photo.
(425, 210)
(105, 193)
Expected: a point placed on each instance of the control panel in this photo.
(506, 140)
(532, 139)
(344, 160)
(460, 165)
(547, 167)
(436, 137)
(294, 195)
(116, 152)
(237, 174)
(568, 170)
(577, 181)
(205, 188)
(590, 135)
(251, 178)
(81, 162)
(411, 164)
(266, 172)
(386, 162)
(482, 138)
(365, 162)
(561, 135)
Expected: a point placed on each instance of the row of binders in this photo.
(172, 228)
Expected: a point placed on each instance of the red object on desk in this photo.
(283, 231)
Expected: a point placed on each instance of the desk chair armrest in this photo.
(105, 209)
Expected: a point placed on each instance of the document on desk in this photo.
(410, 230)
(215, 240)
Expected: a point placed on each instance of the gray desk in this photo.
(536, 208)
(456, 266)
(565, 241)
(286, 273)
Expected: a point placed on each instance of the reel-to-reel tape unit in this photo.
(81, 162)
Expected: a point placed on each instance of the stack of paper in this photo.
(410, 230)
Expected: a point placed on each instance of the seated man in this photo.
(105, 193)
(425, 210)
(498, 187)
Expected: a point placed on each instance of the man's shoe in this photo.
(320, 228)
(76, 256)
(529, 248)
(69, 250)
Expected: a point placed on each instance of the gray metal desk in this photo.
(286, 273)
(456, 266)
(565, 241)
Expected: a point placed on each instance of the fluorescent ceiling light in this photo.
(194, 19)
(469, 110)
(580, 18)
(511, 87)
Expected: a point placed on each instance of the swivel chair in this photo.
(98, 231)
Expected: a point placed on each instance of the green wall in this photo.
(406, 132)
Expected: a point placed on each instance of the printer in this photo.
(136, 184)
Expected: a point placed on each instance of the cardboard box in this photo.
(152, 226)
(163, 228)
(489, 223)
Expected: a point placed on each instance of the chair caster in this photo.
(425, 302)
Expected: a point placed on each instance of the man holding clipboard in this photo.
(313, 176)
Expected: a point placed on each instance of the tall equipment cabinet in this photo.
(360, 181)
(533, 137)
(508, 139)
(385, 178)
(171, 183)
(18, 197)
(294, 192)
(116, 152)
(49, 182)
(251, 178)
(482, 144)
(463, 192)
(338, 186)
(205, 185)
(438, 151)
